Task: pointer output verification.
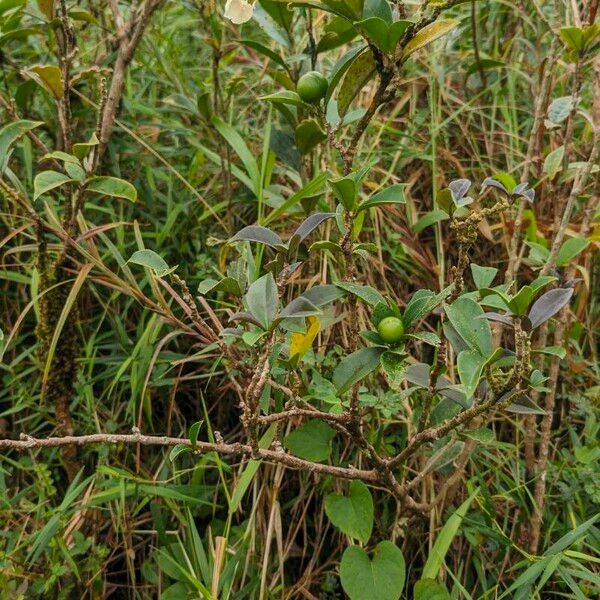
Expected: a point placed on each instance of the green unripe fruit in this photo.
(312, 86)
(390, 330)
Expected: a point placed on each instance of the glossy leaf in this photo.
(393, 194)
(47, 76)
(365, 292)
(429, 34)
(47, 181)
(309, 135)
(361, 71)
(10, 133)
(112, 186)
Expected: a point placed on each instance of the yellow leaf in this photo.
(300, 343)
(47, 8)
(428, 34)
(47, 76)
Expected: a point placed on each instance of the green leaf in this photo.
(310, 190)
(429, 34)
(227, 284)
(483, 276)
(381, 577)
(265, 51)
(177, 450)
(355, 367)
(553, 162)
(262, 300)
(311, 441)
(495, 297)
(309, 135)
(252, 336)
(243, 483)
(560, 108)
(286, 97)
(235, 140)
(151, 260)
(483, 435)
(520, 302)
(352, 514)
(393, 194)
(82, 149)
(422, 302)
(112, 186)
(552, 351)
(429, 589)
(382, 35)
(377, 8)
(365, 292)
(570, 249)
(470, 365)
(10, 133)
(573, 536)
(345, 190)
(340, 68)
(394, 366)
(525, 406)
(429, 219)
(194, 431)
(428, 337)
(361, 71)
(307, 227)
(466, 317)
(572, 37)
(78, 14)
(48, 180)
(444, 539)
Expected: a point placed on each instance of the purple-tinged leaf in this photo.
(459, 187)
(257, 233)
(311, 223)
(300, 307)
(491, 182)
(548, 305)
(245, 317)
(499, 318)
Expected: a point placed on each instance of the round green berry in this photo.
(311, 87)
(390, 330)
